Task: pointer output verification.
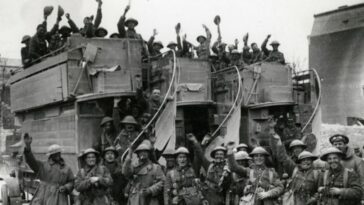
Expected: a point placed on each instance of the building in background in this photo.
(336, 50)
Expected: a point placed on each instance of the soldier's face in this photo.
(157, 47)
(255, 47)
(130, 25)
(156, 94)
(109, 156)
(297, 151)
(219, 156)
(56, 157)
(143, 156)
(243, 162)
(259, 159)
(129, 127)
(108, 127)
(91, 159)
(41, 31)
(172, 47)
(170, 161)
(275, 47)
(306, 164)
(340, 145)
(333, 160)
(182, 160)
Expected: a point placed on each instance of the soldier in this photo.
(349, 160)
(256, 54)
(238, 183)
(291, 131)
(235, 59)
(272, 55)
(116, 191)
(203, 50)
(146, 179)
(154, 47)
(93, 180)
(242, 147)
(176, 47)
(304, 183)
(338, 185)
(264, 186)
(25, 59)
(169, 156)
(65, 32)
(56, 178)
(110, 129)
(38, 43)
(155, 101)
(100, 32)
(217, 176)
(127, 135)
(130, 24)
(187, 48)
(182, 187)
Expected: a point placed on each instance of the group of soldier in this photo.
(239, 174)
(44, 42)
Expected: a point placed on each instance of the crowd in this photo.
(239, 174)
(45, 42)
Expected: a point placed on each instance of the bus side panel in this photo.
(89, 131)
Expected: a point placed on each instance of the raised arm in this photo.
(121, 23)
(264, 46)
(178, 31)
(72, 24)
(127, 167)
(35, 165)
(116, 116)
(199, 153)
(233, 165)
(98, 14)
(208, 33)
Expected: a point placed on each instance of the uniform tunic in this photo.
(52, 175)
(351, 191)
(182, 187)
(304, 185)
(261, 178)
(93, 194)
(149, 177)
(119, 182)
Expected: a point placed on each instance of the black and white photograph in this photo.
(182, 102)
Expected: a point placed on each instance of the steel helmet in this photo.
(143, 147)
(99, 30)
(171, 44)
(53, 149)
(242, 155)
(331, 150)
(201, 36)
(231, 46)
(242, 145)
(115, 35)
(129, 120)
(297, 143)
(339, 137)
(88, 151)
(168, 153)
(218, 148)
(275, 43)
(25, 38)
(111, 148)
(259, 150)
(105, 120)
(158, 43)
(306, 155)
(131, 20)
(181, 150)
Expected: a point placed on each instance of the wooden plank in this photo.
(37, 90)
(43, 65)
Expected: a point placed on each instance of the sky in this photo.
(288, 21)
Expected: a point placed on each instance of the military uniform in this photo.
(148, 177)
(271, 55)
(203, 50)
(52, 175)
(351, 190)
(182, 187)
(93, 193)
(130, 33)
(304, 183)
(260, 179)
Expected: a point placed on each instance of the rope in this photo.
(318, 100)
(233, 107)
(160, 107)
